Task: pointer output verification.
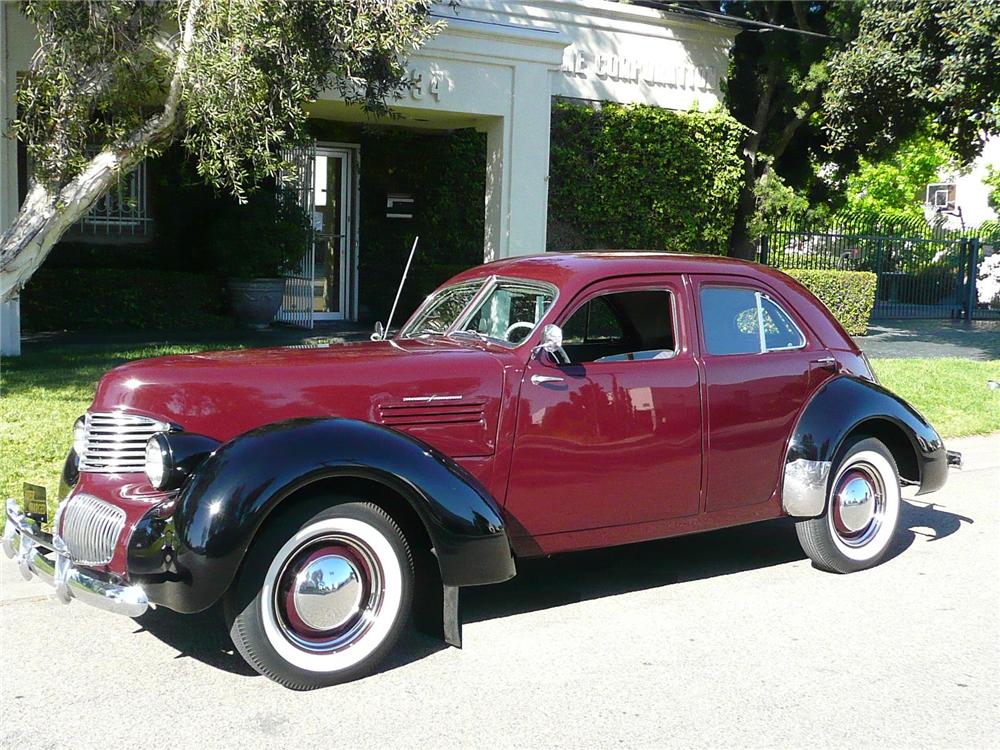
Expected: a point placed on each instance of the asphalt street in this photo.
(719, 640)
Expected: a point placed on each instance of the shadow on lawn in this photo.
(575, 577)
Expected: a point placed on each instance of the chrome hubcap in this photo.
(329, 593)
(858, 504)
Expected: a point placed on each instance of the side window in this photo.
(742, 321)
(729, 320)
(622, 326)
(594, 323)
(780, 332)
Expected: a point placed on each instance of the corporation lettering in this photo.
(637, 70)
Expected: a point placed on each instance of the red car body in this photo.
(551, 457)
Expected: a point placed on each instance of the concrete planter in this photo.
(256, 302)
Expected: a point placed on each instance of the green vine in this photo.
(635, 176)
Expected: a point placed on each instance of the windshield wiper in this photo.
(472, 333)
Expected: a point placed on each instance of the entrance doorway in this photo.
(334, 231)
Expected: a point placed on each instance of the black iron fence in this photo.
(923, 272)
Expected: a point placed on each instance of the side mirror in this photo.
(379, 334)
(552, 339)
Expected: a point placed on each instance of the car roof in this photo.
(575, 270)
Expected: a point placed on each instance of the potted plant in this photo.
(254, 244)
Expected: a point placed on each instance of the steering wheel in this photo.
(514, 326)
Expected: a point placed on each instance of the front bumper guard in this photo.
(23, 539)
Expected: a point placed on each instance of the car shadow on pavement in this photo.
(571, 578)
(921, 519)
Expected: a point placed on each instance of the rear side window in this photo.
(744, 321)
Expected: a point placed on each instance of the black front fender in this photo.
(841, 406)
(220, 510)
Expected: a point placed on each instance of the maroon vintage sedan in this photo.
(530, 406)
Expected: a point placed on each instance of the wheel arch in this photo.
(224, 506)
(847, 406)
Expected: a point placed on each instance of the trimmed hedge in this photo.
(114, 299)
(849, 295)
(636, 176)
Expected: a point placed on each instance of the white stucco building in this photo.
(495, 67)
(962, 198)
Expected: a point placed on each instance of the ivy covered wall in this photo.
(635, 176)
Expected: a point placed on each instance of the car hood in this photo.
(445, 392)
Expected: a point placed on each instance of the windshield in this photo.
(506, 313)
(443, 309)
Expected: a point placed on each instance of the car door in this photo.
(761, 364)
(614, 437)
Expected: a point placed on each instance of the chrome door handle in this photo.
(539, 379)
(828, 362)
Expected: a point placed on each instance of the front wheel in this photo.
(862, 511)
(324, 596)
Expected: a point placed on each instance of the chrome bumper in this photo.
(24, 540)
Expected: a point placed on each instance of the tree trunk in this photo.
(48, 211)
(740, 243)
(45, 216)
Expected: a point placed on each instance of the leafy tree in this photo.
(894, 186)
(914, 59)
(775, 86)
(117, 80)
(992, 180)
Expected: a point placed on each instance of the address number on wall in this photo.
(434, 84)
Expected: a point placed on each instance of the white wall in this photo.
(971, 193)
(17, 44)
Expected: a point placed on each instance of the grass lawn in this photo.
(951, 393)
(44, 391)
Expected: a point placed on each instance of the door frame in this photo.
(350, 194)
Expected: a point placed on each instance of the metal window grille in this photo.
(122, 212)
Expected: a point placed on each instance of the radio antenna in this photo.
(399, 291)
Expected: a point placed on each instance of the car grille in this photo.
(90, 529)
(116, 442)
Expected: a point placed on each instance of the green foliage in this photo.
(103, 65)
(97, 66)
(237, 105)
(776, 202)
(894, 186)
(849, 295)
(634, 176)
(914, 59)
(992, 180)
(101, 299)
(263, 238)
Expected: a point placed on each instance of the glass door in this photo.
(332, 219)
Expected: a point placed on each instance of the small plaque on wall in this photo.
(399, 206)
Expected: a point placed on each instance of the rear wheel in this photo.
(324, 595)
(862, 511)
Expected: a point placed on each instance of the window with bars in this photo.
(120, 214)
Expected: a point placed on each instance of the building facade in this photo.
(494, 69)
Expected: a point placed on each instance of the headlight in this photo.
(171, 457)
(80, 436)
(156, 461)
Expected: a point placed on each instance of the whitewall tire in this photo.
(325, 594)
(862, 510)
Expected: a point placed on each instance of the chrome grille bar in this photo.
(116, 442)
(90, 529)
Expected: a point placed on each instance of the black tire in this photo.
(284, 579)
(841, 541)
